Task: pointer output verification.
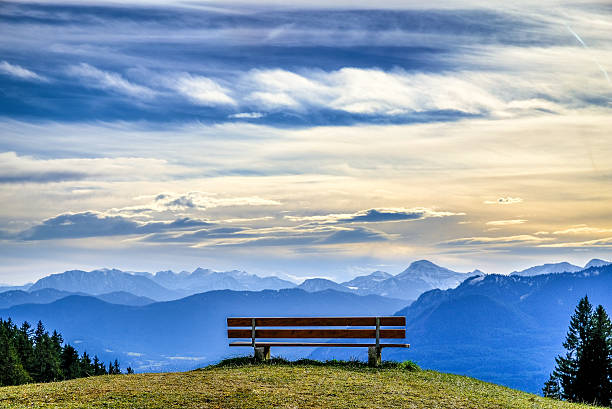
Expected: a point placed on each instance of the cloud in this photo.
(523, 239)
(203, 90)
(27, 169)
(582, 230)
(355, 235)
(378, 215)
(506, 222)
(598, 243)
(247, 115)
(203, 200)
(504, 200)
(96, 224)
(367, 91)
(109, 81)
(19, 72)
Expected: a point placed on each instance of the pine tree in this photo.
(584, 373)
(87, 368)
(24, 345)
(46, 358)
(70, 364)
(116, 369)
(11, 370)
(599, 373)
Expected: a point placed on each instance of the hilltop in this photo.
(282, 385)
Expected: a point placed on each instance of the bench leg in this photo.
(374, 356)
(262, 354)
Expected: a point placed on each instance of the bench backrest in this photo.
(251, 327)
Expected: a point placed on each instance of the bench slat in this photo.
(315, 321)
(316, 333)
(313, 344)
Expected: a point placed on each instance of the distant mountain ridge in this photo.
(419, 277)
(49, 295)
(104, 281)
(563, 267)
(161, 286)
(185, 333)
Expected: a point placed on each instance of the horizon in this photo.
(294, 279)
(310, 140)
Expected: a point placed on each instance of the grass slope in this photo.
(278, 385)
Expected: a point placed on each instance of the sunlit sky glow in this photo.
(303, 141)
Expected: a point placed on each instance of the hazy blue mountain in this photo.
(124, 298)
(185, 333)
(320, 284)
(44, 296)
(104, 281)
(596, 262)
(48, 295)
(563, 267)
(6, 287)
(202, 280)
(502, 329)
(366, 284)
(419, 277)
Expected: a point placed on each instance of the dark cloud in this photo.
(92, 224)
(190, 237)
(42, 177)
(376, 215)
(354, 235)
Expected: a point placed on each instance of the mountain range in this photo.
(186, 333)
(48, 295)
(563, 267)
(501, 328)
(505, 329)
(420, 276)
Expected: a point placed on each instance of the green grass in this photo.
(239, 383)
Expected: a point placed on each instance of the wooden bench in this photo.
(261, 330)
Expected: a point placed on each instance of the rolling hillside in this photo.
(276, 386)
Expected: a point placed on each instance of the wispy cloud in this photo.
(598, 243)
(110, 81)
(96, 224)
(27, 169)
(522, 239)
(379, 215)
(505, 201)
(202, 90)
(247, 115)
(506, 222)
(582, 230)
(20, 72)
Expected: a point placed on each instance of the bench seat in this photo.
(260, 329)
(313, 344)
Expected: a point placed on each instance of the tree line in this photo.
(584, 372)
(34, 355)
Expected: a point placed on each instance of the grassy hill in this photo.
(279, 385)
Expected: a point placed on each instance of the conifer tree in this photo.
(599, 374)
(70, 364)
(116, 369)
(87, 368)
(46, 366)
(584, 373)
(11, 370)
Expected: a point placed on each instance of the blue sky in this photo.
(303, 141)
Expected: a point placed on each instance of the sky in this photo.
(310, 140)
